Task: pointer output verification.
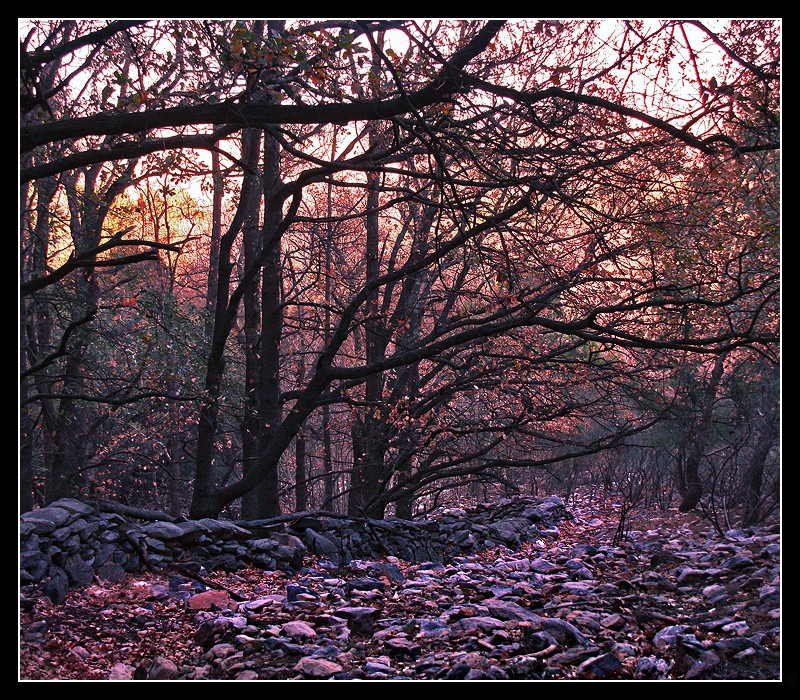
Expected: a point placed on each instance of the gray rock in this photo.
(563, 631)
(79, 572)
(317, 668)
(360, 619)
(121, 672)
(507, 610)
(479, 622)
(224, 530)
(578, 588)
(264, 544)
(508, 531)
(75, 506)
(715, 593)
(56, 586)
(297, 629)
(668, 636)
(603, 666)
(701, 665)
(734, 645)
(321, 545)
(433, 629)
(543, 566)
(651, 668)
(392, 571)
(163, 531)
(162, 670)
(47, 519)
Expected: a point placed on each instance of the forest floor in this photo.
(107, 626)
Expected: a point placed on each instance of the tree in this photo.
(511, 192)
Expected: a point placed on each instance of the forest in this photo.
(377, 267)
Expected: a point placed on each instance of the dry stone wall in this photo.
(70, 542)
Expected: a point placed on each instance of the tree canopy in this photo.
(359, 264)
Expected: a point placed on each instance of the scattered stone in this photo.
(317, 668)
(297, 629)
(361, 620)
(121, 672)
(57, 586)
(211, 600)
(162, 670)
(603, 666)
(541, 606)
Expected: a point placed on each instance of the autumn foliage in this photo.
(374, 266)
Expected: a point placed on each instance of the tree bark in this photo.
(690, 485)
(767, 435)
(251, 303)
(269, 384)
(203, 501)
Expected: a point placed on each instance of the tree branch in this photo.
(447, 81)
(88, 259)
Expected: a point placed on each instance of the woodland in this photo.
(375, 267)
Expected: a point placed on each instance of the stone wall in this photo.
(69, 542)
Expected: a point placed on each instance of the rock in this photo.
(163, 531)
(479, 622)
(434, 629)
(35, 632)
(733, 645)
(79, 572)
(378, 665)
(707, 661)
(121, 672)
(715, 593)
(361, 620)
(578, 588)
(613, 621)
(603, 666)
(317, 668)
(401, 648)
(540, 641)
(162, 670)
(564, 632)
(50, 534)
(651, 668)
(668, 636)
(321, 545)
(111, 572)
(475, 617)
(507, 610)
(525, 667)
(246, 675)
(390, 570)
(297, 592)
(57, 586)
(543, 566)
(297, 629)
(210, 600)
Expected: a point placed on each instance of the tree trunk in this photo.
(251, 303)
(87, 214)
(327, 461)
(269, 385)
(690, 485)
(768, 433)
(35, 332)
(327, 453)
(213, 246)
(300, 479)
(203, 496)
(368, 465)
